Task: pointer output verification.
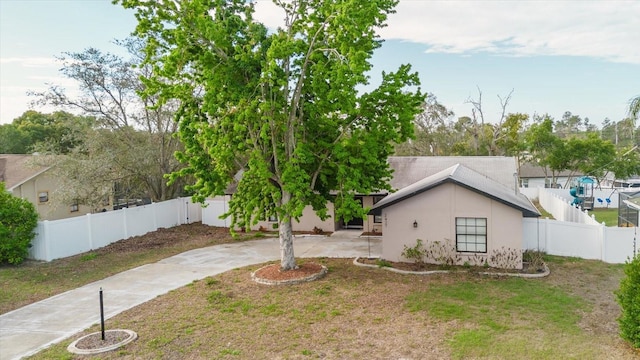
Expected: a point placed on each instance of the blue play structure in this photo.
(582, 192)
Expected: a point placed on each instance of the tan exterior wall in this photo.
(308, 221)
(435, 211)
(369, 224)
(48, 210)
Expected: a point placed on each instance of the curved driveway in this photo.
(29, 329)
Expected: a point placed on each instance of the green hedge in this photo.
(629, 299)
(18, 220)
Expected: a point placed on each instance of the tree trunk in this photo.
(287, 259)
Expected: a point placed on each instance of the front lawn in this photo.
(357, 312)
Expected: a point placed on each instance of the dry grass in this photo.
(368, 313)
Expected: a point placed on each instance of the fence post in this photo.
(90, 233)
(186, 211)
(154, 212)
(124, 222)
(47, 240)
(547, 236)
(603, 247)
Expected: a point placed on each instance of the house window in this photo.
(525, 183)
(471, 235)
(273, 218)
(74, 207)
(377, 218)
(43, 197)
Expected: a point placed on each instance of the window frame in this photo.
(468, 234)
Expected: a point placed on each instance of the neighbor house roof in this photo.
(467, 178)
(16, 169)
(411, 169)
(529, 170)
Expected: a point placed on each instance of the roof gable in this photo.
(467, 178)
(17, 169)
(410, 169)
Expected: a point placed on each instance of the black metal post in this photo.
(369, 237)
(101, 315)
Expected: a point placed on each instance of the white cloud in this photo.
(601, 29)
(32, 62)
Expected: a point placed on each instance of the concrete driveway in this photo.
(27, 330)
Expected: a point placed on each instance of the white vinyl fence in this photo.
(559, 206)
(61, 238)
(586, 241)
(575, 232)
(67, 237)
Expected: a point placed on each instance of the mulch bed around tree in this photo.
(94, 341)
(273, 275)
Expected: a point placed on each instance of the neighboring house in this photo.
(472, 217)
(532, 176)
(407, 170)
(34, 183)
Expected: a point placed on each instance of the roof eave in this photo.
(525, 212)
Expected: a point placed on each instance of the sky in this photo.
(581, 56)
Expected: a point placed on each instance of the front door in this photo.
(355, 223)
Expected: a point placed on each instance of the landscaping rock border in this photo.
(546, 271)
(73, 347)
(264, 281)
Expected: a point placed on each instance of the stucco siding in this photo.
(435, 212)
(430, 210)
(308, 221)
(49, 210)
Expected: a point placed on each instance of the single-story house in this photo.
(407, 170)
(460, 215)
(33, 182)
(532, 176)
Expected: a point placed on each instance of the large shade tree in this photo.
(290, 107)
(140, 129)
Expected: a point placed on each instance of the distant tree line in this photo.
(571, 143)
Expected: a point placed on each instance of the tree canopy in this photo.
(32, 131)
(130, 145)
(290, 107)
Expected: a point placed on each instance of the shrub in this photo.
(415, 253)
(628, 296)
(18, 220)
(383, 263)
(534, 258)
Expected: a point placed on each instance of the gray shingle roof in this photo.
(529, 170)
(410, 169)
(467, 178)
